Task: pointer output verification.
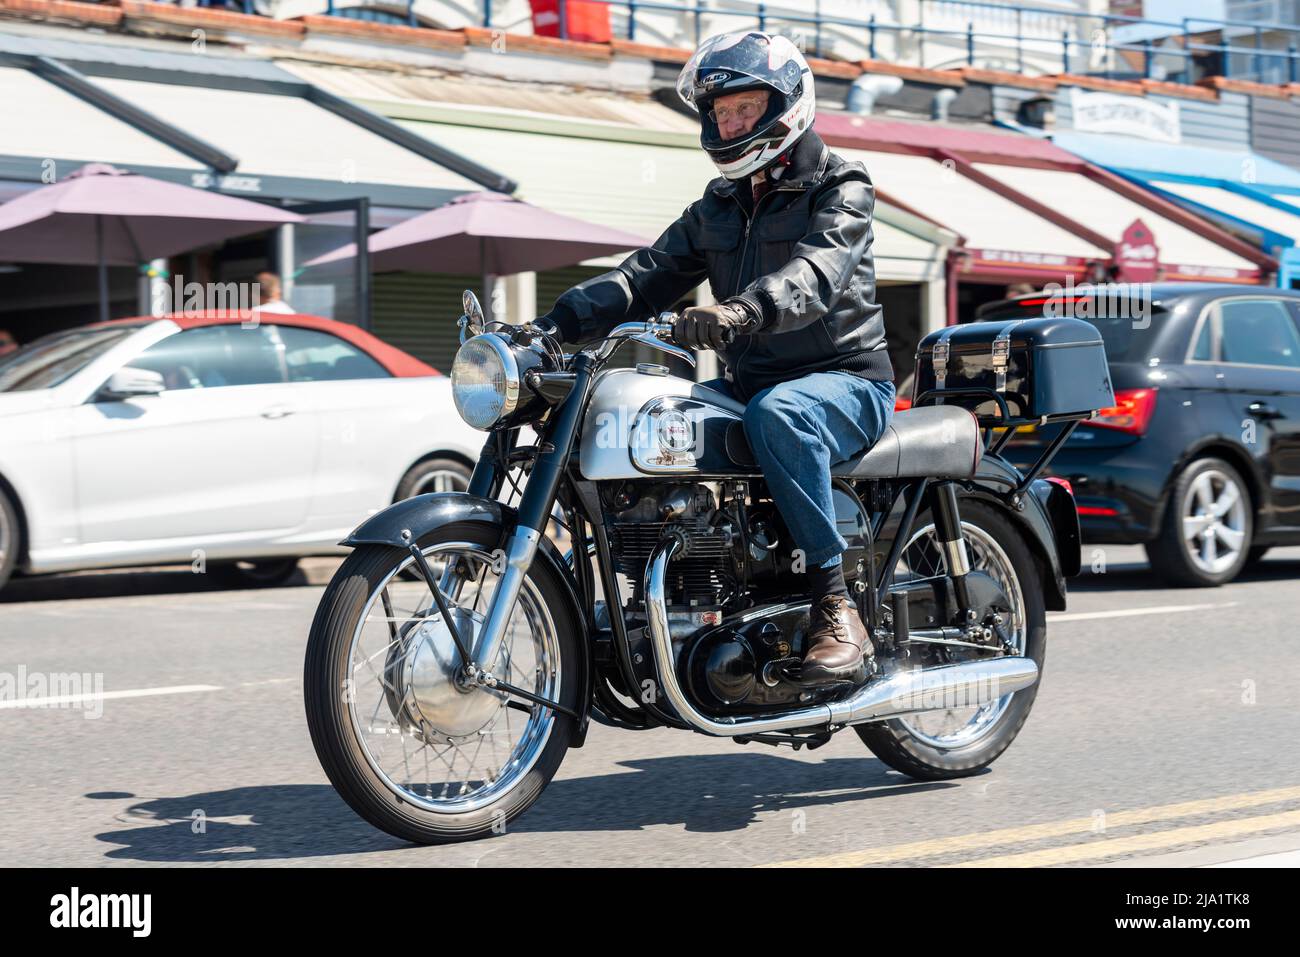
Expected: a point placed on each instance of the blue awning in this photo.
(1130, 154)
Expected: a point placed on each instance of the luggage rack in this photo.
(1010, 423)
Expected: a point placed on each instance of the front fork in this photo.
(555, 445)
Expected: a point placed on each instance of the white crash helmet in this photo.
(750, 60)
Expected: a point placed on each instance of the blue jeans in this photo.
(798, 430)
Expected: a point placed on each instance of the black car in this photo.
(1199, 460)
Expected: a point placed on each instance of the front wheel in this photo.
(956, 742)
(404, 745)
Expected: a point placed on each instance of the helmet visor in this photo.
(732, 62)
(711, 131)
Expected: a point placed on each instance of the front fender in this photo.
(426, 513)
(1051, 525)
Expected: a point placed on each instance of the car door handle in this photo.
(1264, 410)
(277, 412)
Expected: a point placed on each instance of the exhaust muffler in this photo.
(966, 685)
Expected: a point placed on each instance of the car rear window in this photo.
(1126, 333)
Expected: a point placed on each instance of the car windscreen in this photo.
(1127, 329)
(50, 360)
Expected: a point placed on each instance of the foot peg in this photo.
(791, 670)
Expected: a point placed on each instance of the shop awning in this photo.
(1270, 219)
(43, 122)
(238, 125)
(1129, 153)
(1025, 207)
(996, 229)
(1184, 253)
(286, 136)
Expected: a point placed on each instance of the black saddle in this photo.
(941, 441)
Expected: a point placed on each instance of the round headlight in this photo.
(484, 381)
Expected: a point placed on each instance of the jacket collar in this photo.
(808, 162)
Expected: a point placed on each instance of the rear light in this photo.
(1131, 412)
(901, 403)
(1100, 510)
(1063, 482)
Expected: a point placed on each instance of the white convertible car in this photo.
(212, 439)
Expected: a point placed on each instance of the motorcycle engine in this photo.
(702, 577)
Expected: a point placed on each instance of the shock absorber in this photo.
(947, 522)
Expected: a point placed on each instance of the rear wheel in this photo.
(433, 475)
(1204, 538)
(956, 742)
(406, 748)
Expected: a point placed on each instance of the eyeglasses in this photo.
(746, 111)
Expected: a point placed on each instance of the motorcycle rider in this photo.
(784, 238)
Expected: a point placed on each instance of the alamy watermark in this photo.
(178, 296)
(61, 689)
(1109, 300)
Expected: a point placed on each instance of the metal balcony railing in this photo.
(1082, 41)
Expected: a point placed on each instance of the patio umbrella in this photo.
(105, 216)
(487, 233)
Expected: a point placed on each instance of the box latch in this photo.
(1002, 355)
(939, 356)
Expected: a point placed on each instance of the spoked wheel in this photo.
(408, 747)
(955, 742)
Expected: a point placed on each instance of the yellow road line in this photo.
(1036, 832)
(1159, 840)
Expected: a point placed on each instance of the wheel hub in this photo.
(423, 686)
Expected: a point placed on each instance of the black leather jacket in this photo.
(802, 262)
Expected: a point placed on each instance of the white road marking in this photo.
(1126, 612)
(104, 696)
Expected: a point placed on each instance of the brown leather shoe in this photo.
(837, 642)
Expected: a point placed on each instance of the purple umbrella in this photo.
(100, 215)
(488, 233)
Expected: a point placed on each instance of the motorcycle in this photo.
(459, 653)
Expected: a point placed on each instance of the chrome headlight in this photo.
(485, 381)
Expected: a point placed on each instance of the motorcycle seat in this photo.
(940, 441)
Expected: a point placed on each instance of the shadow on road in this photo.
(152, 581)
(701, 793)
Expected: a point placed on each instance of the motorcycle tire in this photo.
(343, 755)
(898, 746)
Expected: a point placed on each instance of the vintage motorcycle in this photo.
(458, 652)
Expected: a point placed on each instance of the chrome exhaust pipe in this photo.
(907, 692)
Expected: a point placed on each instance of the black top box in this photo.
(1046, 369)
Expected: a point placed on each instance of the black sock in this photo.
(827, 581)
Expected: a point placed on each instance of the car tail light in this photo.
(902, 402)
(1131, 412)
(1099, 510)
(1063, 482)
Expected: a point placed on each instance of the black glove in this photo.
(713, 327)
(561, 323)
